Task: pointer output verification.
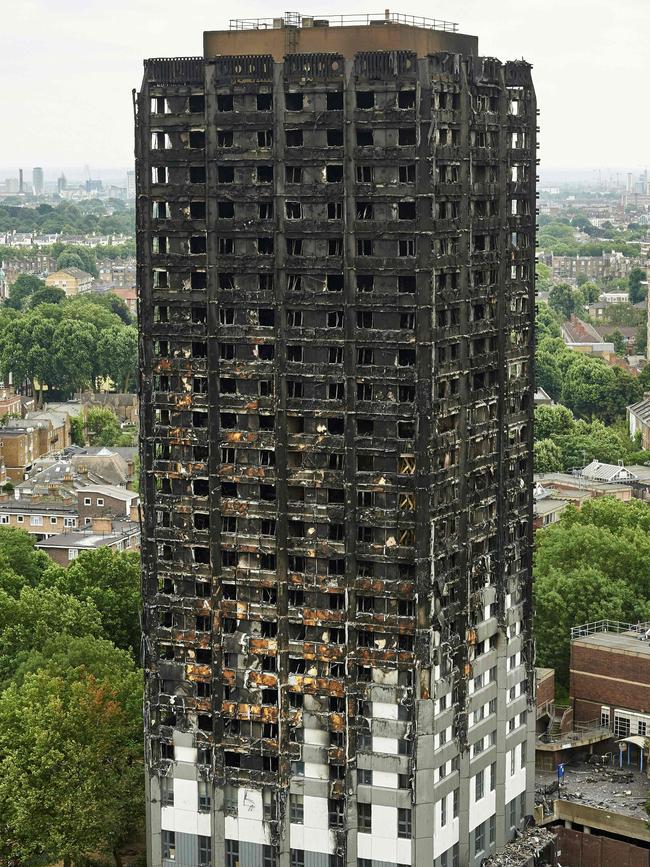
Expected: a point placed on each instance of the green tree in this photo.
(47, 295)
(69, 259)
(590, 291)
(111, 581)
(117, 351)
(70, 765)
(636, 280)
(592, 441)
(546, 322)
(543, 278)
(626, 390)
(552, 420)
(35, 616)
(592, 564)
(26, 348)
(562, 299)
(102, 426)
(77, 430)
(547, 456)
(74, 355)
(587, 387)
(113, 303)
(18, 550)
(84, 309)
(644, 378)
(22, 289)
(569, 597)
(641, 340)
(623, 314)
(71, 256)
(619, 341)
(548, 374)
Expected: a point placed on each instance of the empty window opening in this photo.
(365, 137)
(294, 138)
(334, 138)
(293, 101)
(365, 99)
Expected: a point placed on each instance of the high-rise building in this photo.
(38, 181)
(130, 184)
(336, 252)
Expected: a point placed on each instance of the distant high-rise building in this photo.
(336, 255)
(130, 185)
(38, 181)
(21, 183)
(61, 183)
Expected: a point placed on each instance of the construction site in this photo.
(336, 255)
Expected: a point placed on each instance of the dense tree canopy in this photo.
(22, 289)
(579, 442)
(80, 218)
(71, 776)
(111, 581)
(564, 300)
(592, 564)
(636, 280)
(65, 344)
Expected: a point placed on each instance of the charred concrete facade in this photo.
(336, 290)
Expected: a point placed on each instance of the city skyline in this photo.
(561, 41)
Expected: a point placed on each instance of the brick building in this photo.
(94, 501)
(65, 547)
(18, 450)
(336, 241)
(610, 676)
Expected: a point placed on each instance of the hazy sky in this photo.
(67, 68)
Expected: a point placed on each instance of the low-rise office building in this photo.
(610, 676)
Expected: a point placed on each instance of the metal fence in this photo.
(294, 19)
(609, 626)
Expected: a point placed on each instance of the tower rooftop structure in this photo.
(343, 34)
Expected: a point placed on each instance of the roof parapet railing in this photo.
(616, 626)
(295, 19)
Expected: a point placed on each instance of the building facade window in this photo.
(404, 823)
(232, 853)
(205, 851)
(168, 839)
(621, 726)
(479, 838)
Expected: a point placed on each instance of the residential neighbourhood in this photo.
(55, 490)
